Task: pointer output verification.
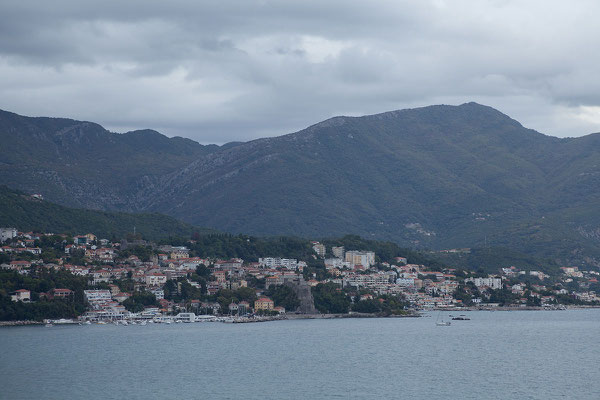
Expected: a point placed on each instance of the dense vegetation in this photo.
(140, 300)
(330, 299)
(283, 296)
(42, 281)
(386, 305)
(29, 214)
(491, 259)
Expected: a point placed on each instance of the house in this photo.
(100, 276)
(220, 276)
(21, 295)
(273, 280)
(264, 303)
(121, 297)
(94, 296)
(62, 293)
(80, 239)
(7, 233)
(280, 310)
(213, 287)
(19, 265)
(179, 252)
(158, 293)
(156, 279)
(114, 289)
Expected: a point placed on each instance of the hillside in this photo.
(81, 164)
(433, 177)
(25, 213)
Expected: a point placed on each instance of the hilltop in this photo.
(433, 177)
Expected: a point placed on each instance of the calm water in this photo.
(496, 355)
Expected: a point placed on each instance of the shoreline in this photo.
(412, 314)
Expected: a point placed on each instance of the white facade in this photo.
(364, 258)
(21, 295)
(409, 282)
(492, 283)
(319, 249)
(271, 262)
(156, 279)
(331, 263)
(97, 295)
(338, 251)
(7, 233)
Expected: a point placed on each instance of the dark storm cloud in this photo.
(222, 71)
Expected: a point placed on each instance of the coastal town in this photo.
(138, 281)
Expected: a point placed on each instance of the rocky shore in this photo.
(20, 323)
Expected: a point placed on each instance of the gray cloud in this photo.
(237, 70)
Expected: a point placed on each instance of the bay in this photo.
(495, 355)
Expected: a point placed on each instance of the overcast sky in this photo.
(218, 71)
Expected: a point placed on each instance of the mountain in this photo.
(24, 212)
(435, 177)
(81, 164)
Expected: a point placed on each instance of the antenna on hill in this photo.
(134, 230)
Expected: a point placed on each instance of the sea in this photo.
(494, 355)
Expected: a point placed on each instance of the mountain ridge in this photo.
(438, 176)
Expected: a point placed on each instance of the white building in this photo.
(158, 293)
(319, 249)
(156, 279)
(408, 282)
(21, 295)
(338, 251)
(93, 296)
(331, 263)
(272, 262)
(491, 282)
(186, 317)
(7, 233)
(364, 258)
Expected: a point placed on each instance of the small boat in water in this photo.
(461, 318)
(442, 322)
(48, 325)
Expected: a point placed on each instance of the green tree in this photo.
(329, 298)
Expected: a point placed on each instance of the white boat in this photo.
(442, 322)
(48, 325)
(88, 323)
(143, 323)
